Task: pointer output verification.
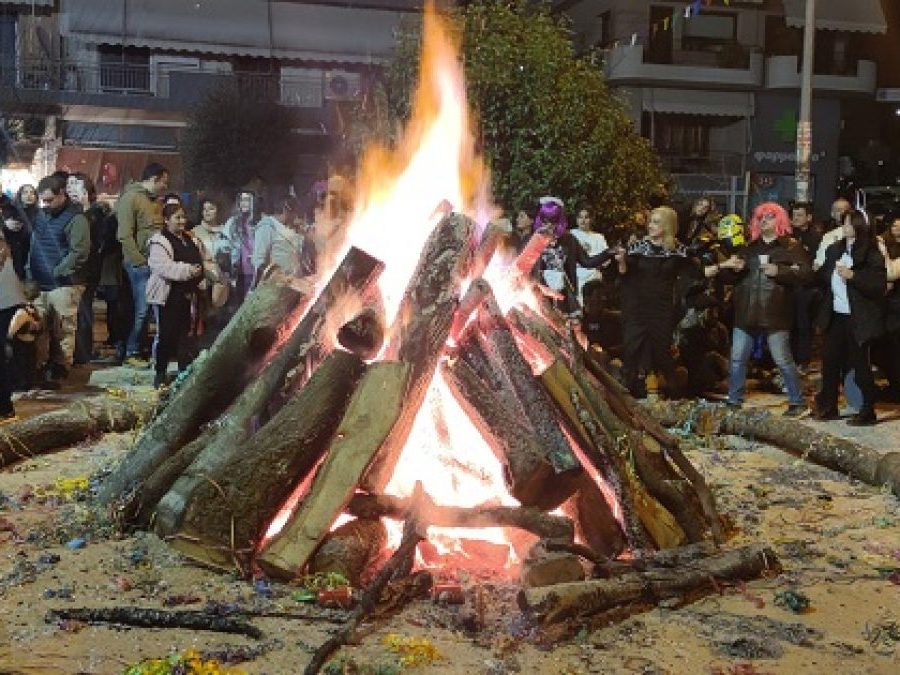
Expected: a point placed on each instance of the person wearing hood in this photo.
(60, 247)
(139, 217)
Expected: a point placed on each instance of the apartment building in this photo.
(715, 85)
(104, 86)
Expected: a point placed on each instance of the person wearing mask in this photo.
(765, 274)
(240, 229)
(82, 192)
(648, 269)
(60, 248)
(854, 278)
(139, 217)
(805, 294)
(176, 270)
(701, 222)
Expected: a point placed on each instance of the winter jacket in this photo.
(234, 232)
(96, 214)
(60, 246)
(275, 244)
(164, 269)
(140, 217)
(762, 302)
(865, 290)
(892, 299)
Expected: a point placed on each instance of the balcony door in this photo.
(660, 43)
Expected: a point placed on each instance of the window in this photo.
(7, 49)
(124, 70)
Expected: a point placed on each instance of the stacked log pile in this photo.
(299, 431)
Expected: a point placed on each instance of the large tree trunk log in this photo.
(544, 525)
(370, 419)
(595, 523)
(224, 516)
(350, 549)
(845, 456)
(211, 451)
(22, 439)
(420, 332)
(579, 601)
(529, 476)
(601, 443)
(212, 385)
(534, 405)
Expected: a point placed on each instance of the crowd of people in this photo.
(688, 304)
(685, 304)
(151, 257)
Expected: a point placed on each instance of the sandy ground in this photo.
(838, 540)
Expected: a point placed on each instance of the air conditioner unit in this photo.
(341, 85)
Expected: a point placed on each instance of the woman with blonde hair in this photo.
(648, 269)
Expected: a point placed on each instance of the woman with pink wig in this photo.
(765, 274)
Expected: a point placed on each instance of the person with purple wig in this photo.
(564, 254)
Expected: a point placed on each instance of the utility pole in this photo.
(804, 125)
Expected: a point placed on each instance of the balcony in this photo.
(51, 81)
(783, 72)
(628, 65)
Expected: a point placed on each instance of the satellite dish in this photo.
(43, 38)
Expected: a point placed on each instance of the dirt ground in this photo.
(838, 540)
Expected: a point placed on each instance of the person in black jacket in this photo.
(806, 294)
(649, 269)
(854, 280)
(765, 274)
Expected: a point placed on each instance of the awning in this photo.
(861, 16)
(36, 3)
(698, 102)
(112, 169)
(236, 27)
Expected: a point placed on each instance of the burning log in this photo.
(350, 549)
(544, 525)
(595, 523)
(364, 334)
(212, 385)
(635, 592)
(421, 328)
(534, 405)
(225, 513)
(370, 419)
(23, 439)
(529, 475)
(211, 451)
(821, 448)
(401, 559)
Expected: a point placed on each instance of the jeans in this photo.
(138, 277)
(780, 348)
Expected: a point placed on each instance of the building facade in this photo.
(715, 86)
(104, 86)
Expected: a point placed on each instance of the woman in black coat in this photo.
(852, 316)
(649, 269)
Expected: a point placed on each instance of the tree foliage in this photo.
(232, 139)
(548, 123)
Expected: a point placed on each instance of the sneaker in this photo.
(733, 405)
(863, 419)
(7, 414)
(57, 371)
(796, 410)
(137, 362)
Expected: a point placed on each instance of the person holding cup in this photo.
(852, 315)
(176, 269)
(765, 275)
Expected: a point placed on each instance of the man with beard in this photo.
(60, 247)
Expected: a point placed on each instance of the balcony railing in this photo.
(630, 64)
(128, 79)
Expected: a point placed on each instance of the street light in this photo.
(804, 126)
